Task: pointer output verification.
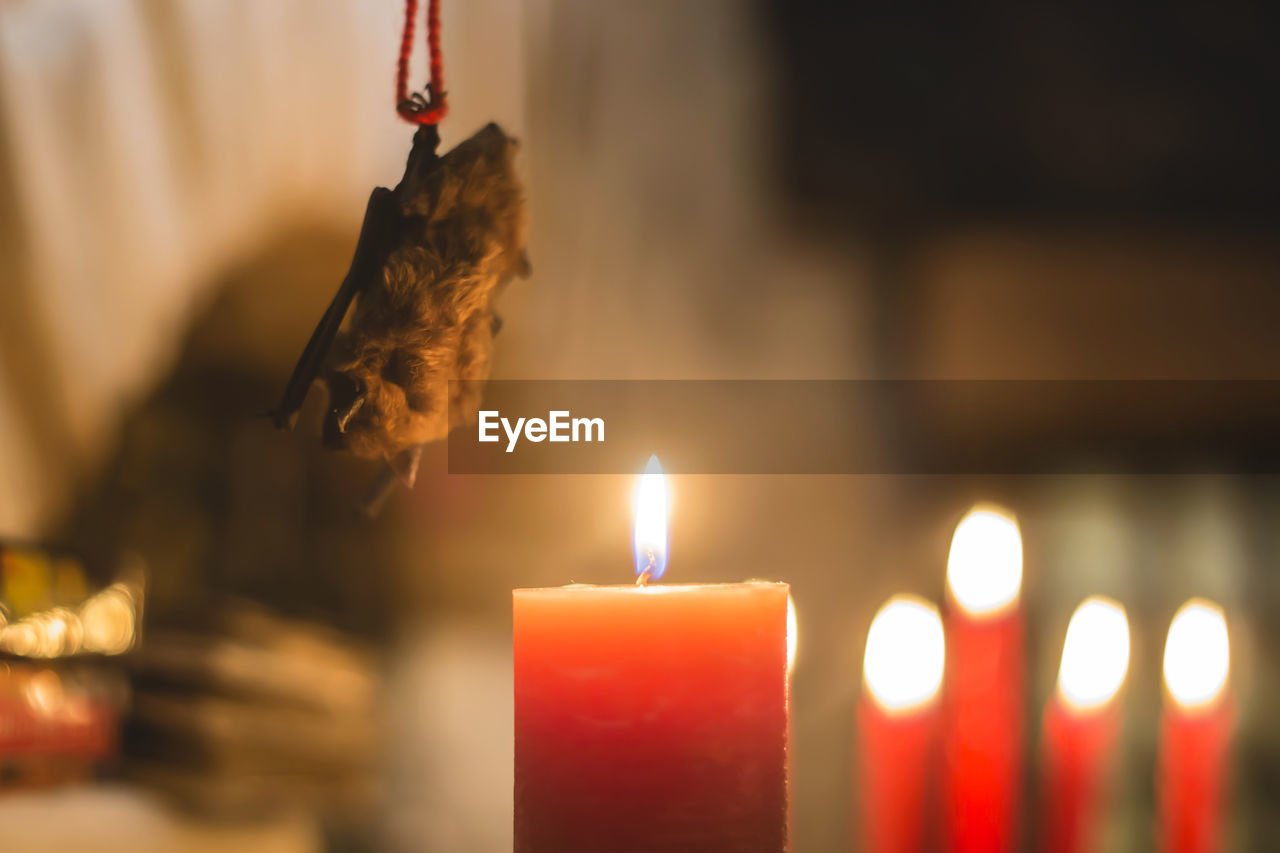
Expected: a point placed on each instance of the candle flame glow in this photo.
(109, 621)
(1095, 655)
(791, 634)
(1197, 654)
(650, 535)
(906, 653)
(984, 568)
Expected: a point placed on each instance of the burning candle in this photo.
(1080, 723)
(982, 729)
(1195, 729)
(898, 720)
(651, 716)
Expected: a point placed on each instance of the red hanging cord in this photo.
(415, 108)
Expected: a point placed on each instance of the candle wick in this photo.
(643, 578)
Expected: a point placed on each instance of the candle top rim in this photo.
(650, 589)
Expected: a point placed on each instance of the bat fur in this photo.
(434, 254)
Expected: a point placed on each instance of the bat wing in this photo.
(379, 219)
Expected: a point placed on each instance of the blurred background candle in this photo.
(1195, 730)
(651, 717)
(898, 721)
(1080, 724)
(983, 703)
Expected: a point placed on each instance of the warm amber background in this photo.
(717, 190)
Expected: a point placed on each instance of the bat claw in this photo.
(283, 420)
(403, 468)
(344, 416)
(405, 464)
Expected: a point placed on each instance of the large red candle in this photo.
(982, 728)
(651, 717)
(1195, 730)
(898, 722)
(1080, 724)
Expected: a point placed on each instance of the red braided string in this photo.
(416, 109)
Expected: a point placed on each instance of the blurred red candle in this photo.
(898, 722)
(1080, 724)
(982, 723)
(1195, 730)
(651, 717)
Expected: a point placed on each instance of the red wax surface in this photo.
(982, 731)
(1192, 773)
(1076, 746)
(895, 749)
(651, 718)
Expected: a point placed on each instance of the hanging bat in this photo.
(432, 256)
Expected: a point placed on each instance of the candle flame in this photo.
(984, 568)
(650, 535)
(1197, 654)
(1095, 654)
(906, 653)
